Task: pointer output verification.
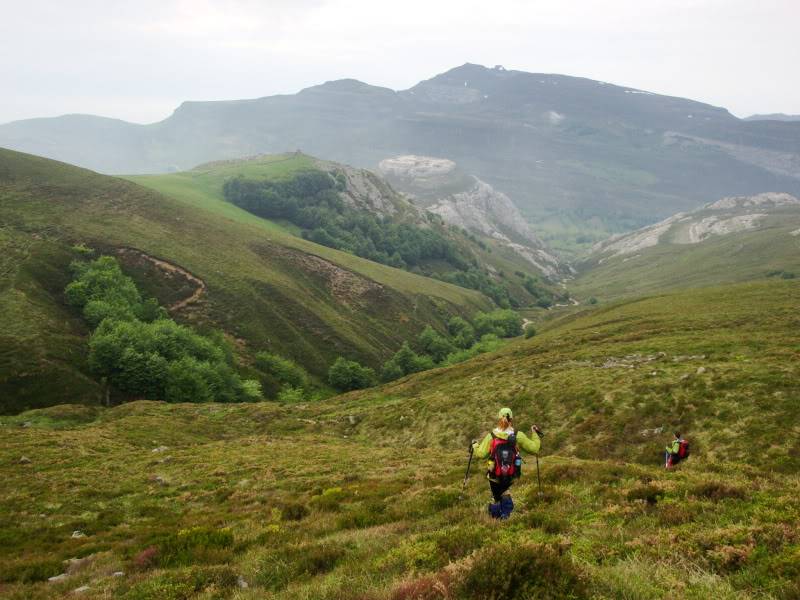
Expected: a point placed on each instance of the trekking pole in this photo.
(540, 433)
(538, 477)
(466, 475)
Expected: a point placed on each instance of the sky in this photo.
(139, 60)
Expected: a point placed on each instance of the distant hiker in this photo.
(501, 448)
(676, 451)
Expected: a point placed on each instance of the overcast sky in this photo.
(138, 60)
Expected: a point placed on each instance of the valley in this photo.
(250, 352)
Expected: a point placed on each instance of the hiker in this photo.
(676, 451)
(501, 448)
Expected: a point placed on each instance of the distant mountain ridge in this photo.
(569, 152)
(773, 117)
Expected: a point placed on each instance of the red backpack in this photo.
(504, 453)
(683, 449)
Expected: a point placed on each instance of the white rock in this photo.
(24, 460)
(242, 583)
(118, 574)
(81, 590)
(57, 578)
(159, 449)
(78, 534)
(701, 370)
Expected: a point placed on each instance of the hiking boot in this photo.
(495, 510)
(506, 507)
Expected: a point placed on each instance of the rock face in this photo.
(467, 202)
(725, 216)
(365, 190)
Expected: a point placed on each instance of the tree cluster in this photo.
(311, 201)
(142, 352)
(461, 341)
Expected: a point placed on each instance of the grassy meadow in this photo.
(358, 496)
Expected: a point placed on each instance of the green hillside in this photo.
(770, 249)
(267, 289)
(182, 501)
(504, 271)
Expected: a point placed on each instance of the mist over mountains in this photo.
(566, 150)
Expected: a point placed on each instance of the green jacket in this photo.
(673, 447)
(531, 446)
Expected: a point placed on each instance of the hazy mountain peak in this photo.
(348, 86)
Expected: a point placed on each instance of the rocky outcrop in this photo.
(725, 216)
(469, 203)
(364, 190)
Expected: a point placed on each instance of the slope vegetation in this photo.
(176, 501)
(519, 273)
(217, 266)
(733, 239)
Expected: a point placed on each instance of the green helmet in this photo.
(505, 412)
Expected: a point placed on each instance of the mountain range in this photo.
(575, 155)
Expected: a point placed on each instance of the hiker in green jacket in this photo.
(501, 448)
(672, 454)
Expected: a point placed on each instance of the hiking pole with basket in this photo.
(466, 475)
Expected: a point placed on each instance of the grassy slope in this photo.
(720, 259)
(202, 187)
(717, 527)
(265, 286)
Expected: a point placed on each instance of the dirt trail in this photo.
(169, 267)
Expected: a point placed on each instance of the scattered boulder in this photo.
(159, 449)
(81, 590)
(24, 460)
(701, 370)
(118, 574)
(57, 578)
(78, 534)
(242, 583)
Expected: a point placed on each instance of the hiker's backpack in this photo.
(503, 453)
(683, 449)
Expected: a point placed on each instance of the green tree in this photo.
(283, 370)
(434, 344)
(501, 322)
(346, 375)
(462, 332)
(404, 362)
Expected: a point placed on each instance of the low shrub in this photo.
(508, 572)
(183, 584)
(294, 511)
(330, 500)
(195, 545)
(29, 572)
(647, 492)
(716, 490)
(367, 514)
(278, 568)
(430, 587)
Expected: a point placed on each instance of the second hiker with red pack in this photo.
(501, 447)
